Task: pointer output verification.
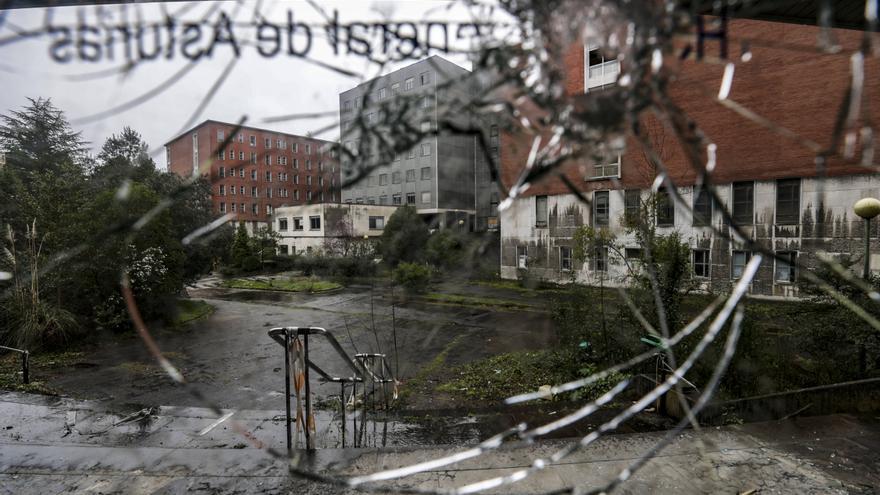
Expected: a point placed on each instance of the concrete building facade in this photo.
(772, 185)
(442, 174)
(320, 227)
(258, 171)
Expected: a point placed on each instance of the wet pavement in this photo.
(61, 445)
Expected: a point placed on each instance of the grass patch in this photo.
(462, 300)
(498, 377)
(190, 310)
(517, 286)
(297, 284)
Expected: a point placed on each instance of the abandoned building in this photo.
(776, 190)
(258, 170)
(334, 228)
(441, 173)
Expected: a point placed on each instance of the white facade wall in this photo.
(826, 224)
(334, 220)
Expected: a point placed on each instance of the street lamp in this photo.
(867, 208)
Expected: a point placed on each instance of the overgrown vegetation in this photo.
(519, 372)
(91, 231)
(293, 284)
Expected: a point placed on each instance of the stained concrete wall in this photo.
(337, 220)
(826, 224)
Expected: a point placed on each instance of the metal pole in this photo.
(867, 271)
(309, 440)
(25, 367)
(287, 389)
(342, 406)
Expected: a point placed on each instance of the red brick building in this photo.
(770, 182)
(258, 170)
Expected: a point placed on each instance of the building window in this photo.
(377, 223)
(410, 175)
(222, 171)
(221, 155)
(395, 199)
(283, 248)
(222, 190)
(522, 257)
(297, 223)
(411, 153)
(233, 207)
(295, 163)
(411, 198)
(242, 190)
(701, 263)
(665, 209)
(424, 78)
(268, 192)
(223, 207)
(632, 254)
(702, 207)
(383, 179)
(253, 140)
(601, 209)
(308, 149)
(308, 195)
(540, 211)
(268, 209)
(241, 172)
(294, 147)
(408, 84)
(395, 88)
(426, 149)
(426, 197)
(232, 190)
(308, 180)
(268, 176)
(785, 266)
(606, 169)
(744, 202)
(383, 200)
(254, 208)
(601, 72)
(267, 143)
(241, 155)
(425, 126)
(296, 194)
(240, 137)
(268, 159)
(253, 157)
(346, 106)
(314, 223)
(565, 258)
(632, 204)
(383, 93)
(282, 224)
(738, 262)
(788, 201)
(395, 178)
(426, 173)
(599, 261)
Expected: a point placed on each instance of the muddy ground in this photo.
(230, 360)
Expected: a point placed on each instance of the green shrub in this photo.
(250, 263)
(413, 276)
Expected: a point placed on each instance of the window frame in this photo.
(601, 219)
(738, 216)
(792, 267)
(706, 271)
(542, 215)
(793, 203)
(733, 265)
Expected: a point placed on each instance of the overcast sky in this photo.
(259, 87)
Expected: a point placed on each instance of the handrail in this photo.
(25, 362)
(283, 336)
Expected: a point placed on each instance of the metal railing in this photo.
(25, 362)
(359, 367)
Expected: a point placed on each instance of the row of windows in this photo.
(383, 93)
(396, 199)
(281, 192)
(397, 177)
(426, 102)
(296, 196)
(281, 176)
(785, 272)
(375, 223)
(268, 143)
(271, 160)
(788, 193)
(314, 223)
(425, 149)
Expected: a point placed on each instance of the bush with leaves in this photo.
(404, 237)
(413, 276)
